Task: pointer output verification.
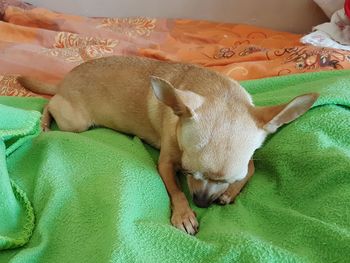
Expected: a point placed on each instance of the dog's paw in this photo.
(225, 199)
(185, 220)
(45, 127)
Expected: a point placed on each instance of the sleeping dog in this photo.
(204, 123)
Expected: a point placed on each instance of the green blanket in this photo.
(97, 196)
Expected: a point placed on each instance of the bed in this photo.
(96, 196)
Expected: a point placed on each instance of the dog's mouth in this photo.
(204, 192)
(202, 201)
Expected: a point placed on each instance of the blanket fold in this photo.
(16, 212)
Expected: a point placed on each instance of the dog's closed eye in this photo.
(214, 178)
(187, 172)
(218, 181)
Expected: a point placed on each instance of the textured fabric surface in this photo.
(16, 212)
(97, 196)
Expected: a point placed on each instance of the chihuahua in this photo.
(203, 122)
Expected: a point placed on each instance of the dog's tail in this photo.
(37, 86)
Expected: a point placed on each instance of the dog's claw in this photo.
(45, 127)
(185, 221)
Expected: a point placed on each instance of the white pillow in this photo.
(330, 6)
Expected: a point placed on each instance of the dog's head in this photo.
(218, 135)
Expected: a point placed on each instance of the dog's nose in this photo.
(201, 201)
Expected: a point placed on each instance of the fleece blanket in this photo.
(96, 196)
(57, 42)
(16, 211)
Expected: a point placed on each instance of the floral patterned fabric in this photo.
(46, 45)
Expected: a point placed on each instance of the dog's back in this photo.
(115, 92)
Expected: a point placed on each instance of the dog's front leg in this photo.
(234, 189)
(182, 215)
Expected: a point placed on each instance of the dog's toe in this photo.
(191, 225)
(224, 199)
(45, 127)
(185, 221)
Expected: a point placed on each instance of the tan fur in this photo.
(203, 122)
(37, 86)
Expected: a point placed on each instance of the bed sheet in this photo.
(45, 44)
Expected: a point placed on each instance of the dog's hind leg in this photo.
(46, 119)
(68, 117)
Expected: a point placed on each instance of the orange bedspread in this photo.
(41, 43)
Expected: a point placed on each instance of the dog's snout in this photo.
(201, 201)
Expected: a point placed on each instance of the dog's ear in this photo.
(271, 118)
(182, 102)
